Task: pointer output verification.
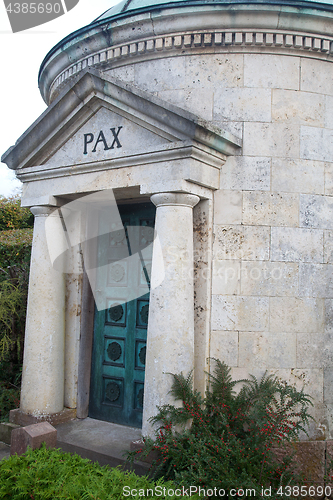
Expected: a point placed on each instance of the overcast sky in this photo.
(21, 55)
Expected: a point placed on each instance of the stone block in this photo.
(269, 278)
(328, 385)
(234, 312)
(316, 143)
(124, 73)
(272, 209)
(310, 349)
(298, 107)
(235, 128)
(291, 244)
(329, 111)
(316, 211)
(309, 458)
(298, 176)
(23, 419)
(212, 71)
(198, 101)
(316, 280)
(328, 303)
(272, 139)
(226, 277)
(242, 104)
(227, 207)
(293, 314)
(328, 247)
(32, 436)
(241, 242)
(246, 173)
(167, 74)
(224, 346)
(271, 71)
(315, 77)
(328, 178)
(267, 350)
(6, 429)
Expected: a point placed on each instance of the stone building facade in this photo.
(218, 117)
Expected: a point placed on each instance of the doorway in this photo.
(120, 330)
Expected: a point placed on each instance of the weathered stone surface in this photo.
(316, 143)
(240, 313)
(298, 176)
(276, 139)
(294, 314)
(242, 104)
(310, 348)
(315, 77)
(246, 173)
(328, 178)
(241, 242)
(269, 278)
(316, 211)
(267, 350)
(224, 346)
(219, 70)
(198, 101)
(32, 436)
(271, 209)
(298, 107)
(226, 277)
(21, 418)
(271, 71)
(296, 244)
(227, 207)
(316, 280)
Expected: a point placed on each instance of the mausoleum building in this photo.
(181, 180)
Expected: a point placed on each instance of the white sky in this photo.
(21, 55)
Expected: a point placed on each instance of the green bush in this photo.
(50, 474)
(12, 215)
(225, 440)
(15, 247)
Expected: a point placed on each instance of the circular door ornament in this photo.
(144, 314)
(116, 312)
(118, 235)
(147, 234)
(117, 272)
(114, 351)
(112, 391)
(142, 355)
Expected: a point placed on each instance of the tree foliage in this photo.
(13, 216)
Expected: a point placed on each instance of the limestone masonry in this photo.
(212, 124)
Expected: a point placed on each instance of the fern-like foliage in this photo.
(225, 440)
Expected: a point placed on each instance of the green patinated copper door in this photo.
(120, 330)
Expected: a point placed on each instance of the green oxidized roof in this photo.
(127, 7)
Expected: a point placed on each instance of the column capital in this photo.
(178, 199)
(43, 210)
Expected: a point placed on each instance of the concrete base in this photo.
(100, 441)
(6, 429)
(20, 418)
(32, 436)
(4, 450)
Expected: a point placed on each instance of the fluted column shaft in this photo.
(170, 340)
(43, 365)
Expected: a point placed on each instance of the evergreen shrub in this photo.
(225, 440)
(51, 474)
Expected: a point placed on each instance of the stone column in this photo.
(170, 338)
(43, 365)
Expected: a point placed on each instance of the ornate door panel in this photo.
(120, 331)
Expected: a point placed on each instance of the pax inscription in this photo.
(89, 138)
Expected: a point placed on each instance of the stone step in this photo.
(100, 441)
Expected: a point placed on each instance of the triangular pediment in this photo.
(97, 120)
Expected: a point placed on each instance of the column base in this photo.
(20, 418)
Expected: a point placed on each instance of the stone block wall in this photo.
(272, 287)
